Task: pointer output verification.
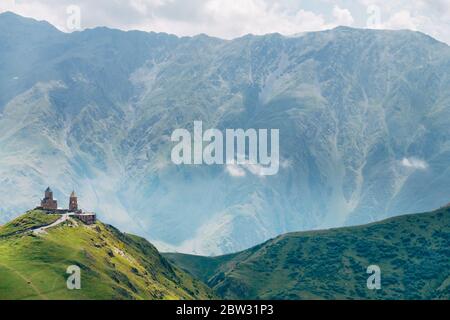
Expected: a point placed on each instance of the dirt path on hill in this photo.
(41, 230)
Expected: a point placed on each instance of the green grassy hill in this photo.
(113, 265)
(412, 251)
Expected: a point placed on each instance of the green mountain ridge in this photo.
(113, 265)
(412, 251)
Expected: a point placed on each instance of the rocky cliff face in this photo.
(363, 118)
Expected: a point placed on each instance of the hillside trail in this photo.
(42, 230)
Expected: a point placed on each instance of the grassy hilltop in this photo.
(412, 251)
(113, 265)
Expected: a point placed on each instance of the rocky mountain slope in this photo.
(412, 252)
(363, 118)
(113, 265)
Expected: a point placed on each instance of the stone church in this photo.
(50, 204)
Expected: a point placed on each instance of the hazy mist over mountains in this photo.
(363, 118)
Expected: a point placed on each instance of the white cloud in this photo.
(234, 18)
(430, 17)
(241, 170)
(343, 16)
(7, 5)
(414, 163)
(221, 18)
(235, 170)
(402, 20)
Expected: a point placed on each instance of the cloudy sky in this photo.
(234, 18)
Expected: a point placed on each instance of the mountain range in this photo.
(411, 251)
(363, 118)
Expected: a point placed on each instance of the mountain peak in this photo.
(12, 20)
(9, 14)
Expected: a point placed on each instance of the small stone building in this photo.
(87, 217)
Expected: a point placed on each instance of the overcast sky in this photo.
(234, 18)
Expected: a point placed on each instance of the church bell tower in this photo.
(73, 202)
